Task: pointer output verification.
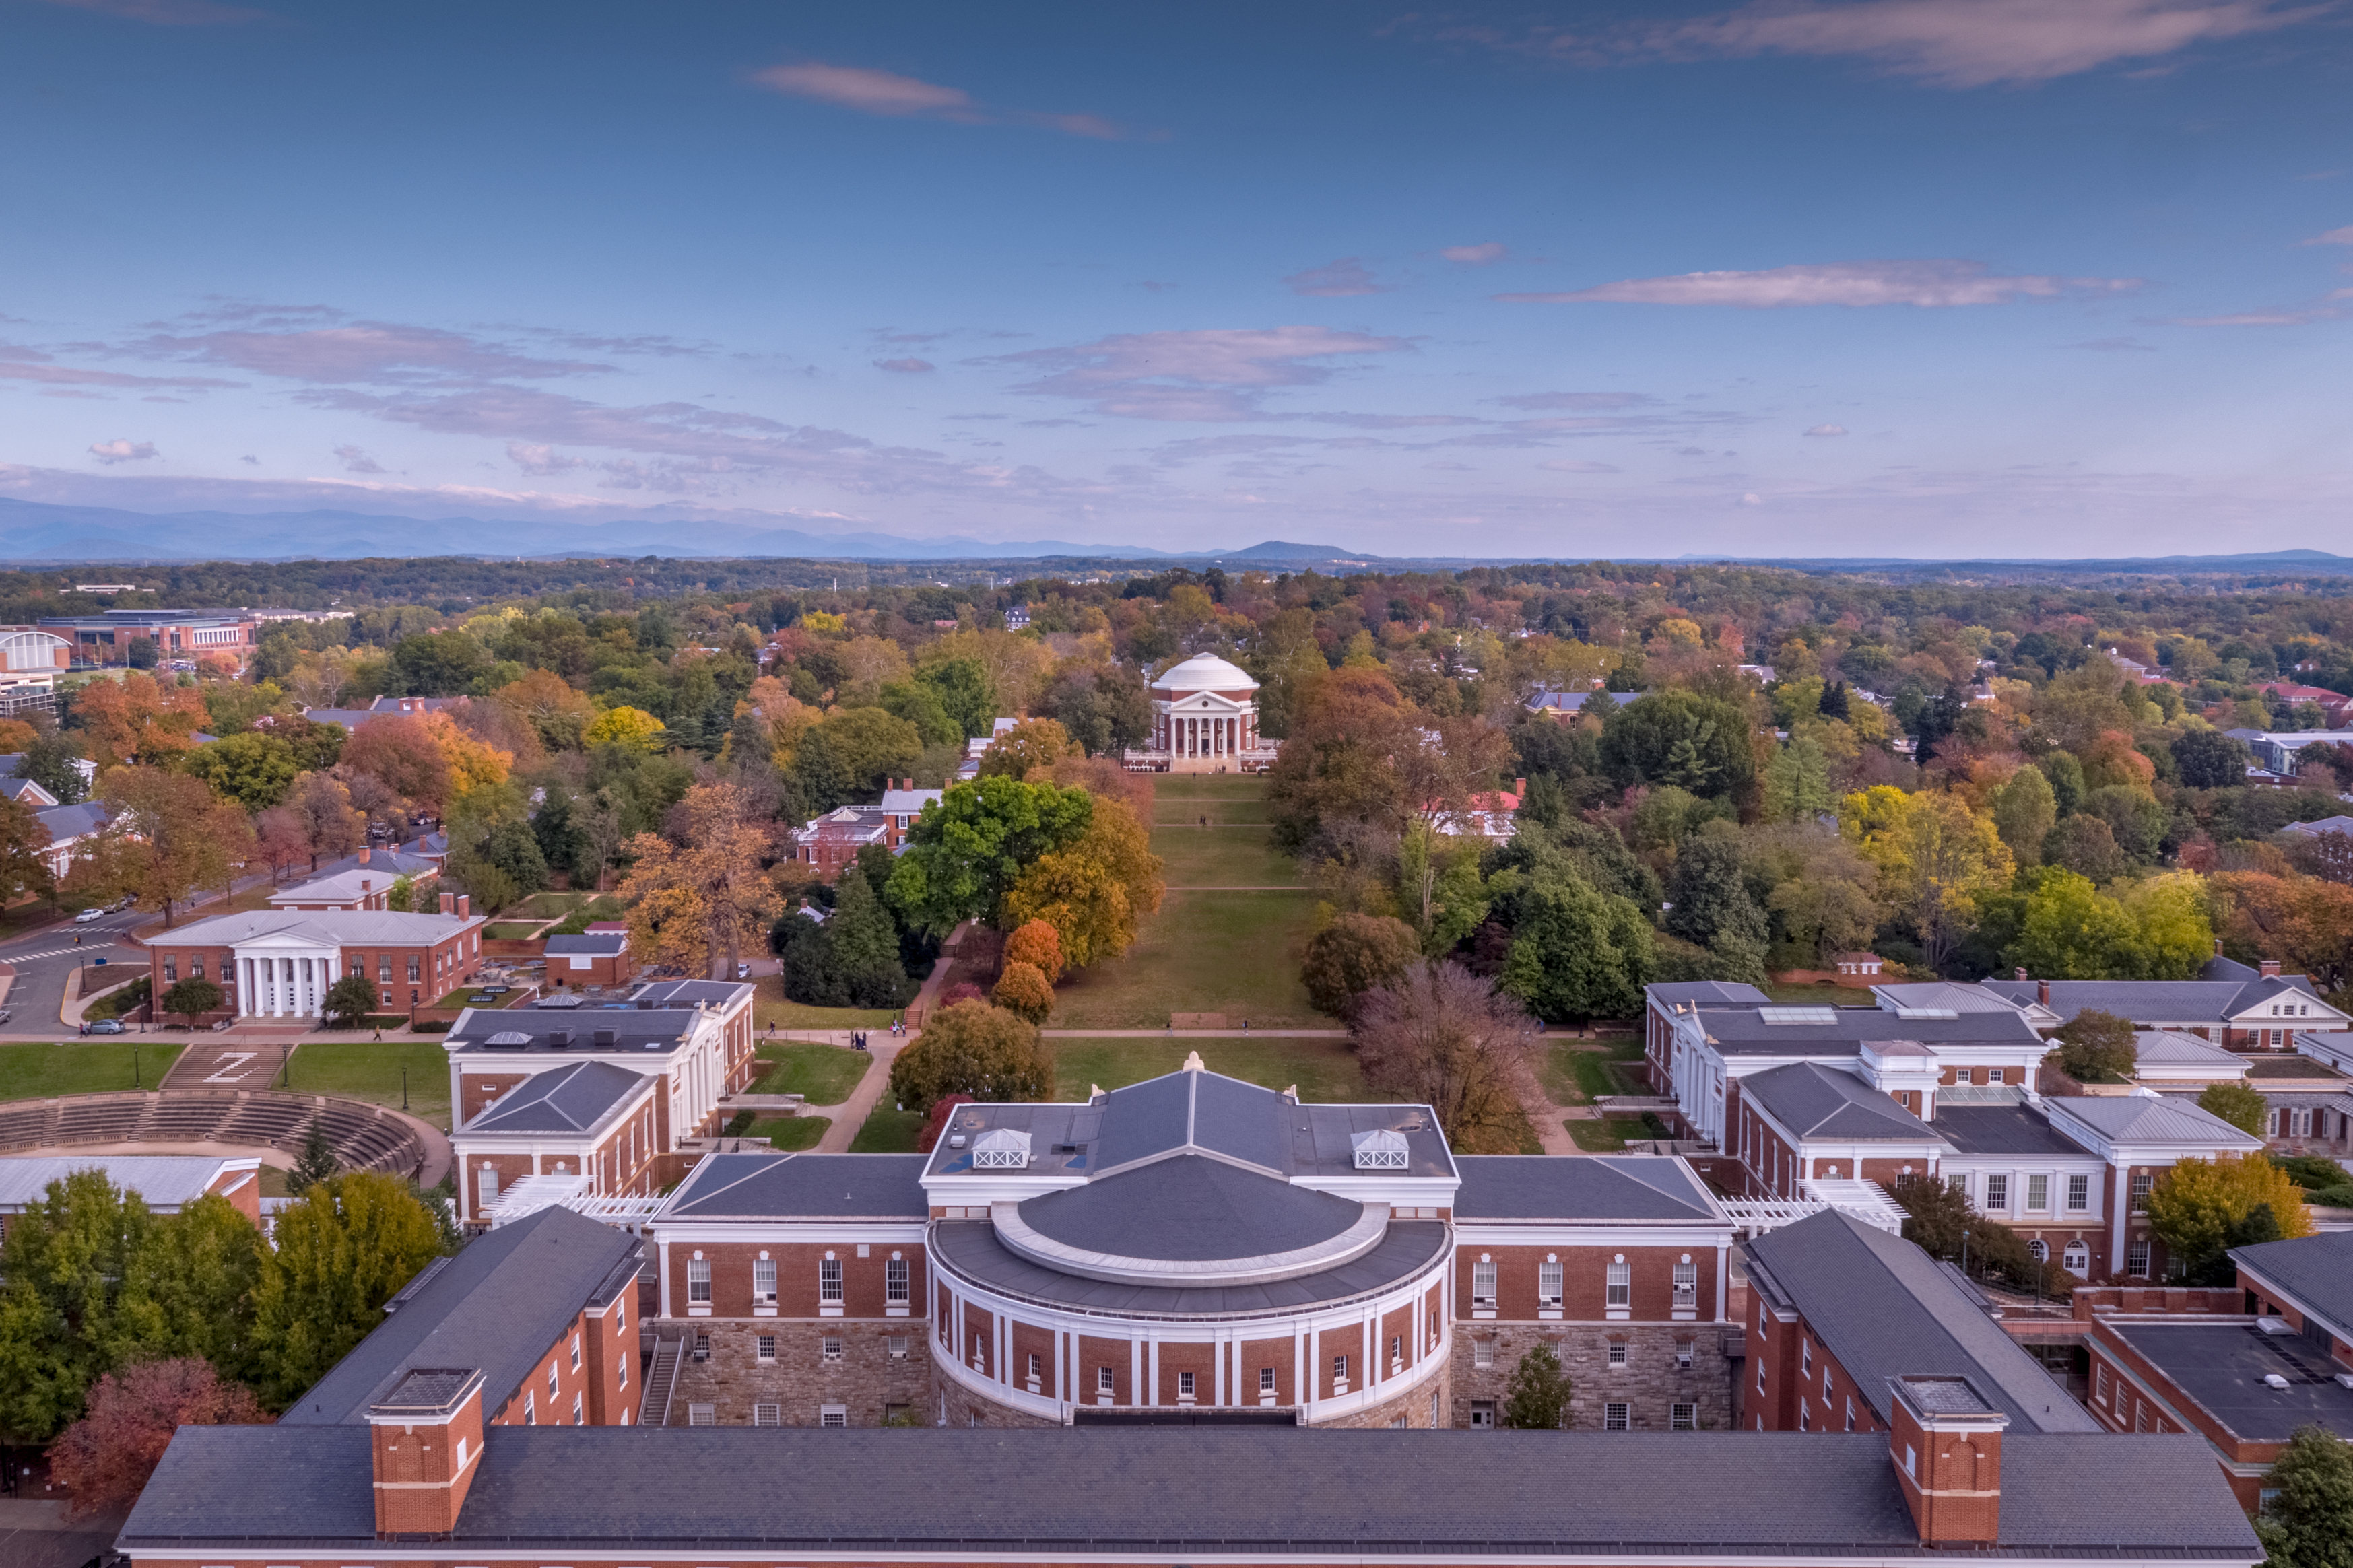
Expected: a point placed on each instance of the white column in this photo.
(1134, 1370)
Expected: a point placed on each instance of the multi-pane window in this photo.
(1482, 1285)
(575, 1353)
(576, 1412)
(1266, 1380)
(2100, 1384)
(1805, 1358)
(2038, 1193)
(1397, 1350)
(703, 1415)
(764, 1282)
(1619, 1285)
(1103, 1380)
(1617, 1353)
(2079, 1193)
(895, 1290)
(1686, 1284)
(621, 1371)
(2136, 1260)
(171, 966)
(698, 1281)
(1996, 1192)
(1684, 1350)
(384, 966)
(196, 966)
(530, 1409)
(552, 1388)
(828, 1282)
(1037, 1367)
(1684, 1418)
(1184, 1385)
(413, 969)
(767, 1416)
(829, 1348)
(1616, 1417)
(2140, 1185)
(1483, 1352)
(1548, 1285)
(1959, 1184)
(1339, 1369)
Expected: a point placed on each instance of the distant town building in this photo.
(107, 637)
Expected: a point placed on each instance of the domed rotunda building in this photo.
(1204, 720)
(1192, 1241)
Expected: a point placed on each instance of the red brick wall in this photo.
(571, 1382)
(862, 1278)
(1585, 1280)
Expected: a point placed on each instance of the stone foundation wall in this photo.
(1650, 1381)
(868, 1381)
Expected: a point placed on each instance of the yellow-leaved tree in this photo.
(1095, 891)
(631, 727)
(472, 764)
(702, 903)
(1936, 858)
(2202, 1208)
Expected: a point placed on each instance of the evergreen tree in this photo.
(316, 1163)
(2309, 1522)
(1834, 702)
(1576, 953)
(562, 844)
(1538, 1398)
(1710, 905)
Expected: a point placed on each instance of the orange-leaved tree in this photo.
(1093, 891)
(702, 902)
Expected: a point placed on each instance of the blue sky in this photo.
(1937, 277)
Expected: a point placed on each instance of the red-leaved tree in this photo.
(107, 1456)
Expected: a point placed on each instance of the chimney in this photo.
(2271, 968)
(1945, 1442)
(364, 852)
(2022, 975)
(426, 1438)
(2042, 992)
(1520, 787)
(462, 899)
(367, 884)
(448, 903)
(2217, 947)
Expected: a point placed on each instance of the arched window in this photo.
(2040, 1250)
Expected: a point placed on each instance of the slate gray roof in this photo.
(2150, 1119)
(1709, 993)
(382, 870)
(1187, 1210)
(1203, 1111)
(719, 993)
(971, 1247)
(2222, 1366)
(18, 789)
(632, 1028)
(499, 1305)
(802, 1186)
(163, 1181)
(2326, 825)
(1816, 1101)
(2170, 1047)
(2209, 1001)
(2003, 1130)
(1255, 1494)
(1744, 1031)
(1940, 994)
(589, 944)
(75, 821)
(570, 1098)
(1598, 1187)
(1886, 1309)
(355, 928)
(2317, 1271)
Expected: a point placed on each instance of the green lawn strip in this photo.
(888, 1132)
(464, 998)
(512, 931)
(548, 906)
(788, 1133)
(82, 1067)
(371, 1070)
(1598, 1137)
(823, 1075)
(1236, 953)
(1206, 787)
(1323, 1070)
(1222, 858)
(1224, 816)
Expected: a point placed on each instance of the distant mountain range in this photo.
(40, 531)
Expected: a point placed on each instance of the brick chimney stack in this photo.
(448, 903)
(462, 899)
(2022, 975)
(427, 1440)
(2042, 992)
(365, 853)
(2271, 968)
(1945, 1442)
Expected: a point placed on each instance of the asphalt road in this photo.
(43, 960)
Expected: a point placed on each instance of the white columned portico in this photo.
(280, 977)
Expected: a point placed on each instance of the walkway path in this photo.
(851, 1113)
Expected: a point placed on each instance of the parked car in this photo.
(87, 916)
(743, 971)
(103, 1026)
(128, 900)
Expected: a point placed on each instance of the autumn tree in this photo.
(632, 728)
(2303, 921)
(1032, 744)
(342, 1251)
(965, 854)
(1354, 955)
(1023, 989)
(1037, 944)
(1094, 891)
(1339, 762)
(253, 769)
(704, 901)
(2240, 1105)
(166, 836)
(404, 756)
(24, 854)
(321, 806)
(558, 712)
(2201, 1209)
(138, 720)
(1441, 1037)
(1936, 858)
(973, 1048)
(279, 841)
(106, 1457)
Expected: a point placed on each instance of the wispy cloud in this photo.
(1475, 254)
(357, 461)
(1213, 375)
(1578, 466)
(1824, 430)
(362, 352)
(1581, 400)
(906, 366)
(896, 97)
(2333, 236)
(122, 451)
(2113, 346)
(1335, 280)
(166, 12)
(1951, 43)
(18, 363)
(1928, 283)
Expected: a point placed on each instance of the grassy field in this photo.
(82, 1067)
(371, 1070)
(1323, 1070)
(510, 931)
(1236, 953)
(1222, 858)
(888, 1132)
(824, 1075)
(464, 998)
(548, 906)
(1574, 1077)
(770, 1010)
(1173, 796)
(790, 1133)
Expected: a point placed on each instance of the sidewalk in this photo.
(851, 1113)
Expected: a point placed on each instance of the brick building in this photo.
(165, 1182)
(280, 963)
(614, 1093)
(107, 637)
(592, 958)
(365, 885)
(832, 841)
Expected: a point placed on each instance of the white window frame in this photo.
(833, 1415)
(2079, 1192)
(765, 1415)
(698, 1281)
(1617, 1415)
(764, 1282)
(1683, 1418)
(1550, 1284)
(2038, 1193)
(829, 1348)
(897, 1287)
(1482, 1285)
(1617, 1285)
(703, 1415)
(1997, 1191)
(1686, 1285)
(828, 1282)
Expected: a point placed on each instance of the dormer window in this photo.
(1000, 1149)
(1379, 1150)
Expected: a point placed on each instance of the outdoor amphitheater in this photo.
(363, 1137)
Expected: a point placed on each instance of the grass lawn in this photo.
(1323, 1070)
(1609, 1134)
(888, 1132)
(1236, 953)
(824, 1075)
(82, 1067)
(464, 996)
(548, 906)
(371, 1069)
(34, 914)
(770, 1010)
(791, 1131)
(1574, 1077)
(1209, 789)
(512, 931)
(1222, 858)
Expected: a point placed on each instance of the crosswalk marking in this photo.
(53, 953)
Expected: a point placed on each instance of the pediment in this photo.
(1211, 703)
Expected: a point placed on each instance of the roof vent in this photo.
(508, 1040)
(955, 1140)
(1379, 1150)
(1798, 1015)
(559, 1037)
(1000, 1149)
(2273, 1325)
(605, 1036)
(2276, 1383)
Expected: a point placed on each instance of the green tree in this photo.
(188, 1290)
(2308, 1522)
(315, 1164)
(973, 1048)
(964, 852)
(2094, 1045)
(1354, 955)
(2237, 1103)
(2066, 777)
(50, 762)
(402, 895)
(2070, 932)
(965, 692)
(920, 705)
(1537, 1399)
(2084, 845)
(2023, 811)
(1709, 903)
(64, 1259)
(255, 769)
(847, 754)
(350, 1000)
(191, 996)
(1102, 707)
(436, 664)
(850, 960)
(1439, 883)
(2207, 759)
(1577, 954)
(1678, 737)
(340, 1253)
(1798, 782)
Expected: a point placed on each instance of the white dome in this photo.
(1204, 672)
